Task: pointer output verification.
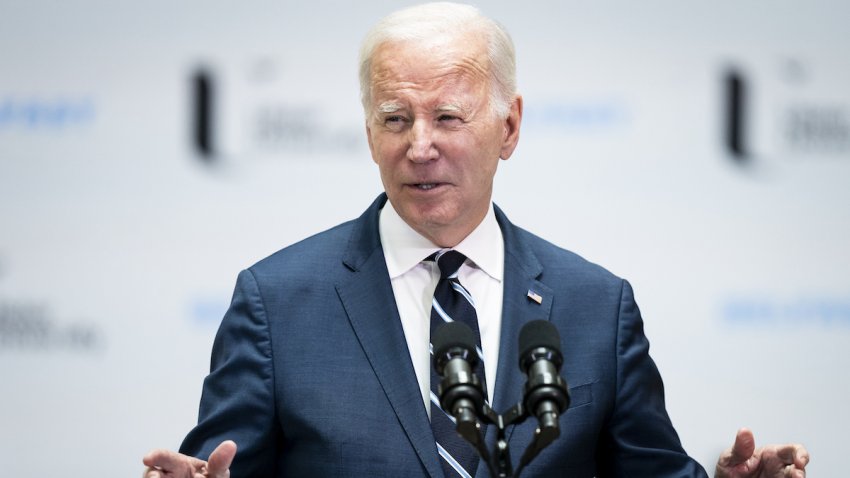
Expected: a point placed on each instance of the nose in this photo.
(421, 137)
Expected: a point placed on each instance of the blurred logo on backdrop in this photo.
(45, 113)
(790, 108)
(765, 309)
(31, 326)
(207, 310)
(250, 112)
(586, 116)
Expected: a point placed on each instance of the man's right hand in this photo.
(169, 464)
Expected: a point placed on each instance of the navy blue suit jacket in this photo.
(311, 375)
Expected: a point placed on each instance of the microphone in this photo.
(460, 391)
(540, 358)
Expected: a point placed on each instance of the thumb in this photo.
(218, 465)
(744, 447)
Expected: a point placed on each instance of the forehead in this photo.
(428, 67)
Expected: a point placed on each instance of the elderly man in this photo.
(322, 366)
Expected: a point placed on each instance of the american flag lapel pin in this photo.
(535, 296)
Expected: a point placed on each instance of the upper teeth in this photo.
(427, 186)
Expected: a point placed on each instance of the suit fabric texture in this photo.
(311, 376)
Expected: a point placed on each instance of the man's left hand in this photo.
(743, 460)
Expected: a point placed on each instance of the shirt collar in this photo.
(404, 248)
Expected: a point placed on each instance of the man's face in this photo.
(434, 137)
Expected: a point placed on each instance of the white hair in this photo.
(440, 20)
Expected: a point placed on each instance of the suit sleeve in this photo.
(640, 440)
(237, 402)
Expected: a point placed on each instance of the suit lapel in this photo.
(524, 299)
(368, 299)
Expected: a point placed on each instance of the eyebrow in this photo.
(449, 108)
(389, 107)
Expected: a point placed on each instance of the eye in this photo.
(449, 119)
(395, 122)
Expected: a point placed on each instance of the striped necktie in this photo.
(452, 302)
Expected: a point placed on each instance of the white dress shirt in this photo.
(414, 281)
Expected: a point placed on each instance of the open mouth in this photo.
(425, 186)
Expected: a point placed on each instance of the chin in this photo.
(432, 218)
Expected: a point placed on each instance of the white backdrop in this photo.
(120, 242)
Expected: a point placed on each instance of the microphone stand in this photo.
(499, 462)
(546, 394)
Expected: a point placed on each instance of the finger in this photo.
(802, 456)
(743, 449)
(165, 463)
(793, 454)
(170, 460)
(221, 458)
(792, 472)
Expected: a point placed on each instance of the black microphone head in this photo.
(453, 340)
(453, 335)
(454, 360)
(546, 393)
(538, 333)
(539, 339)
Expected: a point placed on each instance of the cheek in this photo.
(480, 159)
(388, 147)
(388, 156)
(378, 148)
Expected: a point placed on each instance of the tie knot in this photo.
(449, 261)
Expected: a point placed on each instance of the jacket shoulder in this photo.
(315, 253)
(561, 263)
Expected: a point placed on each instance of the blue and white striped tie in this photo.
(452, 302)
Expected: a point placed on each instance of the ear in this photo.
(511, 125)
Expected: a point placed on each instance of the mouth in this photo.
(426, 186)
